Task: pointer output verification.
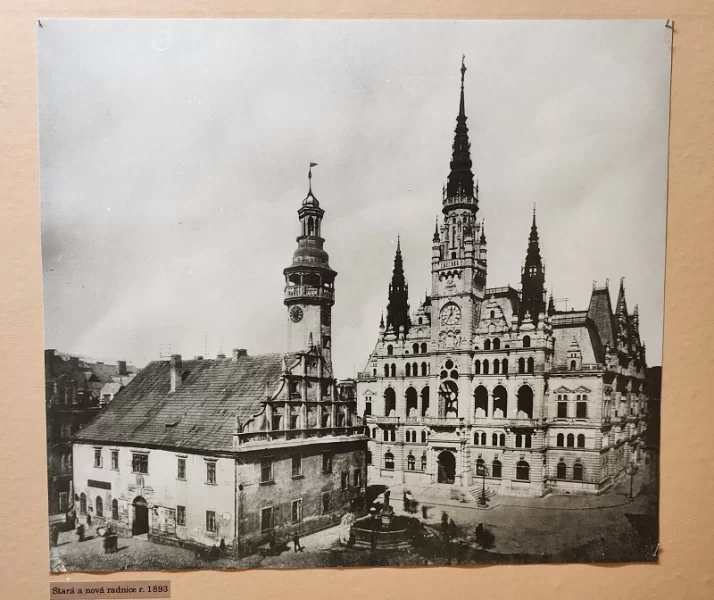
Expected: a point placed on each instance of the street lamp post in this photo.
(483, 500)
(630, 470)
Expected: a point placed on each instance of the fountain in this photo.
(384, 529)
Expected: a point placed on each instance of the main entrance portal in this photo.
(141, 516)
(447, 467)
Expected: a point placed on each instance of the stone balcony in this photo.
(309, 291)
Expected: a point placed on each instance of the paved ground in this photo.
(555, 528)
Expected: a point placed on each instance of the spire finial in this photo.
(399, 249)
(309, 177)
(463, 69)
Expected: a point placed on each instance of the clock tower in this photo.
(310, 283)
(458, 263)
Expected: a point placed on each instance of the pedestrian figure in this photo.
(405, 499)
(296, 543)
(452, 529)
(424, 513)
(223, 547)
(55, 535)
(81, 532)
(445, 526)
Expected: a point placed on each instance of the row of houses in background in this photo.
(75, 391)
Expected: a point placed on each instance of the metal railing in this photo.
(308, 291)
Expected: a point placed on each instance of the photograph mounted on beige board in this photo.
(238, 374)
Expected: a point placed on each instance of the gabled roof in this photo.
(200, 415)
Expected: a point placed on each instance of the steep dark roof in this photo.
(600, 313)
(200, 415)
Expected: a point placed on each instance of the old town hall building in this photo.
(238, 450)
(493, 386)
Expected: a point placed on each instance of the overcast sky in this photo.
(174, 157)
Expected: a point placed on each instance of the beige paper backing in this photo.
(687, 515)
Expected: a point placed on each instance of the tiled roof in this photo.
(200, 415)
(600, 312)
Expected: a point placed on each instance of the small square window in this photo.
(266, 470)
(326, 503)
(115, 460)
(266, 519)
(181, 468)
(211, 471)
(140, 463)
(296, 465)
(327, 463)
(98, 458)
(211, 521)
(181, 516)
(296, 511)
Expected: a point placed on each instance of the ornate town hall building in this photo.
(491, 386)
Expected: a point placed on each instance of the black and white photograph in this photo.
(329, 293)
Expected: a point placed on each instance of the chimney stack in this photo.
(238, 352)
(121, 368)
(176, 368)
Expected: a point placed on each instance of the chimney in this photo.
(176, 368)
(121, 368)
(238, 352)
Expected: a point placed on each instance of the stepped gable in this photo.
(199, 415)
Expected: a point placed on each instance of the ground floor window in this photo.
(115, 510)
(296, 511)
(181, 516)
(523, 471)
(83, 504)
(211, 521)
(345, 479)
(389, 461)
(578, 472)
(411, 463)
(63, 501)
(561, 471)
(99, 506)
(358, 477)
(496, 469)
(423, 462)
(266, 519)
(326, 503)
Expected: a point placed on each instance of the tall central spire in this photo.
(533, 278)
(461, 179)
(398, 307)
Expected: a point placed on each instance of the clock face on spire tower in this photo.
(450, 314)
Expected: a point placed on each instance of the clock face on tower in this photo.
(296, 314)
(450, 315)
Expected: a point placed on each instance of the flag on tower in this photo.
(313, 165)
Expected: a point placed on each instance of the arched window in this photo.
(496, 469)
(389, 461)
(525, 402)
(560, 440)
(423, 369)
(481, 401)
(494, 439)
(523, 470)
(493, 314)
(500, 402)
(115, 510)
(477, 367)
(408, 370)
(374, 433)
(496, 344)
(99, 506)
(83, 503)
(504, 366)
(421, 320)
(502, 439)
(423, 348)
(578, 472)
(386, 370)
(485, 367)
(477, 438)
(519, 440)
(415, 349)
(487, 345)
(310, 226)
(521, 365)
(423, 462)
(411, 462)
(415, 369)
(529, 440)
(526, 341)
(561, 471)
(390, 401)
(496, 367)
(393, 370)
(483, 439)
(374, 372)
(573, 364)
(531, 365)
(423, 437)
(581, 441)
(390, 350)
(480, 467)
(571, 440)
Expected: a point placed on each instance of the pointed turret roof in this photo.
(398, 307)
(461, 178)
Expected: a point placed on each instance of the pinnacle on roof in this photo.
(461, 179)
(398, 306)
